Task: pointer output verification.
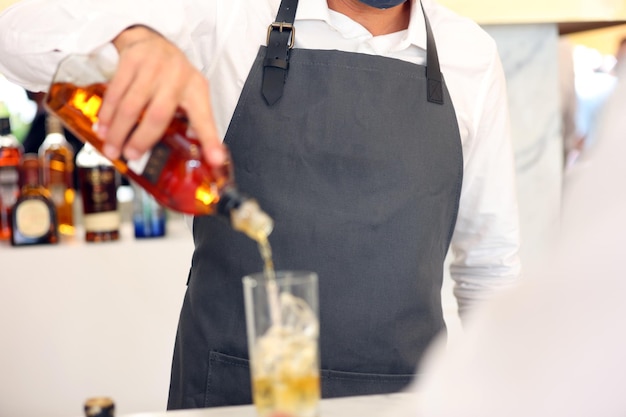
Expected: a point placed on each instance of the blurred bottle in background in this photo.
(33, 218)
(148, 216)
(11, 152)
(57, 173)
(98, 181)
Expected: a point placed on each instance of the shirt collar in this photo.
(414, 35)
(313, 10)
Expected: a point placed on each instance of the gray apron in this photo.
(362, 174)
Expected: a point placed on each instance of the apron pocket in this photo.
(228, 381)
(343, 384)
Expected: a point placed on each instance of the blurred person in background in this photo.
(595, 81)
(572, 140)
(620, 57)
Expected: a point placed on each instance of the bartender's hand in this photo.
(154, 76)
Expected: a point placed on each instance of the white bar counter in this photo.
(391, 405)
(84, 319)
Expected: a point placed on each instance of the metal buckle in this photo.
(280, 26)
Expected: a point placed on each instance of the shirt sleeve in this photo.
(37, 34)
(485, 243)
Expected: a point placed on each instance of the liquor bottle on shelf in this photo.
(99, 407)
(148, 214)
(173, 171)
(98, 183)
(33, 218)
(57, 170)
(10, 158)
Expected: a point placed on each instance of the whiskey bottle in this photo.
(173, 171)
(98, 183)
(10, 158)
(33, 218)
(57, 170)
(99, 407)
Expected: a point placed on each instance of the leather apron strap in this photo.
(280, 40)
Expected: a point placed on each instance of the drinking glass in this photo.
(282, 321)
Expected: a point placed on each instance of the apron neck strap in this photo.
(281, 37)
(433, 72)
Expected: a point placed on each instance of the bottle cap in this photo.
(99, 407)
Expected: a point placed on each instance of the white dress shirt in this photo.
(222, 39)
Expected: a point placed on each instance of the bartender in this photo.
(375, 133)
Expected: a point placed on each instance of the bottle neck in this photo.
(230, 199)
(53, 124)
(29, 171)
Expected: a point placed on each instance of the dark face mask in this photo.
(382, 4)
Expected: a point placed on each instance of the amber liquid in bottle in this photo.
(174, 171)
(57, 170)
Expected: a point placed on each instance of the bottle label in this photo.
(55, 171)
(32, 218)
(9, 175)
(98, 189)
(151, 164)
(9, 188)
(102, 222)
(8, 194)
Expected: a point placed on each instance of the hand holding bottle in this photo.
(174, 168)
(154, 78)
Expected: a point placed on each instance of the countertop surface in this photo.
(395, 405)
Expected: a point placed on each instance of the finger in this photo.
(155, 120)
(116, 90)
(168, 82)
(128, 111)
(197, 104)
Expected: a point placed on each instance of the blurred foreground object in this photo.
(99, 407)
(555, 345)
